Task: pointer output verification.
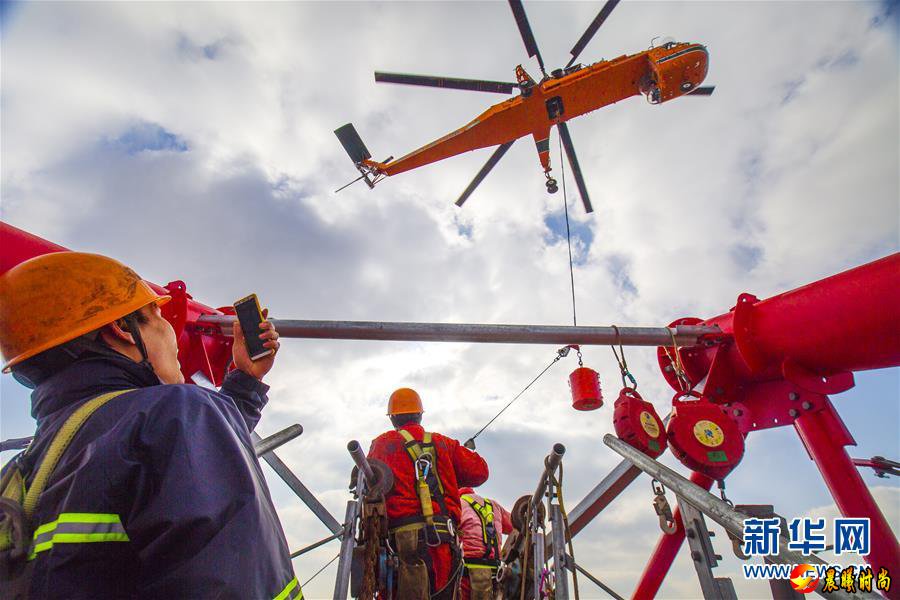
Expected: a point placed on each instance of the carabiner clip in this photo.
(666, 521)
(423, 466)
(436, 536)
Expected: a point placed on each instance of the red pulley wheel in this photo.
(704, 438)
(637, 423)
(585, 385)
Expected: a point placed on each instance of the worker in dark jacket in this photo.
(423, 507)
(159, 493)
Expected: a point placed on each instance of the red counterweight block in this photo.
(585, 385)
(637, 423)
(704, 438)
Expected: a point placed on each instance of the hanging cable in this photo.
(304, 584)
(562, 168)
(562, 352)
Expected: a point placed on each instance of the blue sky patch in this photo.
(464, 229)
(790, 90)
(149, 137)
(7, 12)
(617, 266)
(888, 13)
(187, 48)
(845, 59)
(580, 231)
(747, 257)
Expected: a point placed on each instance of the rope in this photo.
(562, 168)
(525, 556)
(676, 363)
(568, 534)
(559, 354)
(305, 583)
(623, 364)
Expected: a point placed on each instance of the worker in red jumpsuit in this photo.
(423, 507)
(483, 523)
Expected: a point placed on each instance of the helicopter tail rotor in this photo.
(352, 143)
(360, 156)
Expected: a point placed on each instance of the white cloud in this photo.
(697, 200)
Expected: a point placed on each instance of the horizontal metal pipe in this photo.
(359, 457)
(277, 439)
(685, 335)
(714, 508)
(315, 545)
(551, 464)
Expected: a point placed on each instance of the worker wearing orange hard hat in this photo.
(423, 507)
(135, 485)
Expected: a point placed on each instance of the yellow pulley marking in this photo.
(708, 433)
(649, 424)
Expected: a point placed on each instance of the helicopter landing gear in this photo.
(552, 188)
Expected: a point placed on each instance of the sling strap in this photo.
(13, 486)
(428, 481)
(485, 512)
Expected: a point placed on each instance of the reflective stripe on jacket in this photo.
(159, 495)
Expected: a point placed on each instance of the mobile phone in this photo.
(250, 316)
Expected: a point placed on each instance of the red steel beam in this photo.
(825, 436)
(844, 323)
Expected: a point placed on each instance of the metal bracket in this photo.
(704, 555)
(342, 582)
(558, 548)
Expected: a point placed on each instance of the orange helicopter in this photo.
(661, 73)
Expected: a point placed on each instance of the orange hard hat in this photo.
(404, 401)
(52, 299)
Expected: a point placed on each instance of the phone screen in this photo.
(250, 316)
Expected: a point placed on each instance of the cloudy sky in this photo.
(194, 141)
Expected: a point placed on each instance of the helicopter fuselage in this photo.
(661, 73)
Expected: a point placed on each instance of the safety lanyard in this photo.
(485, 514)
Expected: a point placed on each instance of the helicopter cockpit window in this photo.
(664, 42)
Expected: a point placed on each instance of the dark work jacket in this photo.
(176, 464)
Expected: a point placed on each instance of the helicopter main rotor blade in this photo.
(475, 85)
(495, 157)
(576, 169)
(592, 29)
(702, 91)
(525, 30)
